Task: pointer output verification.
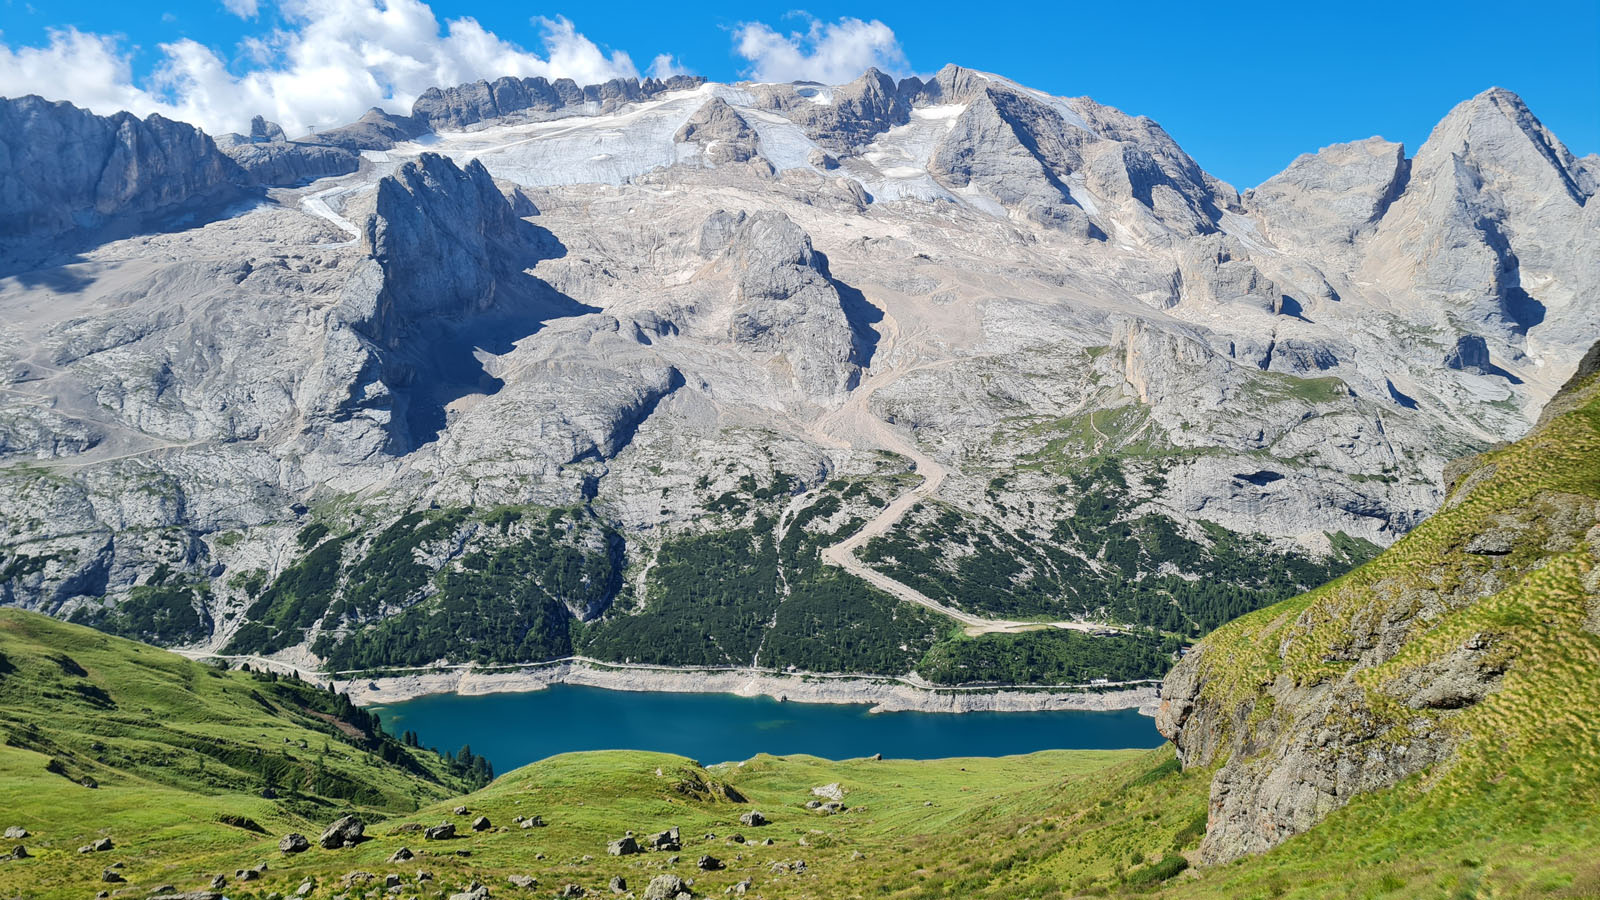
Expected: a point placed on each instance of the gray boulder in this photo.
(16, 832)
(481, 823)
(346, 831)
(475, 891)
(668, 840)
(294, 842)
(441, 832)
(623, 846)
(753, 818)
(665, 887)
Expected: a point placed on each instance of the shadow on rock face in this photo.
(446, 361)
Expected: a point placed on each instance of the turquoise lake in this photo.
(516, 729)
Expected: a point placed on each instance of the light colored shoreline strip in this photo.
(883, 693)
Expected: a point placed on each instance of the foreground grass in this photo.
(1045, 825)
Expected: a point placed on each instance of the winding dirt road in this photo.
(854, 425)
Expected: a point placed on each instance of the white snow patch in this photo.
(818, 95)
(942, 111)
(783, 142)
(319, 205)
(580, 149)
(1080, 193)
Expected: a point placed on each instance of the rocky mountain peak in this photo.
(1508, 146)
(1335, 195)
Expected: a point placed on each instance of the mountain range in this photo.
(865, 378)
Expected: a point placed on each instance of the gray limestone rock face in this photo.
(1332, 197)
(854, 114)
(291, 163)
(787, 304)
(1494, 231)
(721, 133)
(65, 169)
(443, 236)
(465, 105)
(264, 132)
(1013, 149)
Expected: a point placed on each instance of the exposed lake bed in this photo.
(882, 694)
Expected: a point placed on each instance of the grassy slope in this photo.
(1515, 813)
(172, 745)
(1053, 824)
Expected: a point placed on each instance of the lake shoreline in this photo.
(883, 694)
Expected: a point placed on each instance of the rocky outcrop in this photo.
(721, 133)
(65, 169)
(1332, 197)
(853, 113)
(1470, 354)
(1015, 150)
(375, 130)
(788, 306)
(531, 99)
(291, 163)
(1400, 668)
(1494, 229)
(265, 132)
(445, 238)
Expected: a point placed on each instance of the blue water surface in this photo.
(515, 729)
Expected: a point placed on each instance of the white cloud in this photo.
(832, 53)
(665, 66)
(244, 9)
(334, 61)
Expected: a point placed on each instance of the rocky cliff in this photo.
(1445, 655)
(1025, 346)
(64, 169)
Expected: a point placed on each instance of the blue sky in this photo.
(1244, 87)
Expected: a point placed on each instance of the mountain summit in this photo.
(627, 363)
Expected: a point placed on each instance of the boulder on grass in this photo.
(665, 887)
(345, 832)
